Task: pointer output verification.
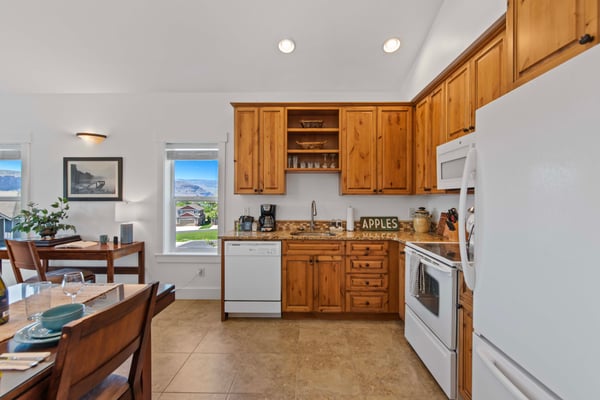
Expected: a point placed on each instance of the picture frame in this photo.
(93, 178)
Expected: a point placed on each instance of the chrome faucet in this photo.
(313, 214)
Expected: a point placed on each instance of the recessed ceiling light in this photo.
(391, 45)
(286, 46)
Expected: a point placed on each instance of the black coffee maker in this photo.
(266, 221)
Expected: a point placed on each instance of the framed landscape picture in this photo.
(93, 178)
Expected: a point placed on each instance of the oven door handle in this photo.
(444, 270)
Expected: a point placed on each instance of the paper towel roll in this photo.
(350, 219)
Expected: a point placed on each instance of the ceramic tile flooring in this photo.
(198, 357)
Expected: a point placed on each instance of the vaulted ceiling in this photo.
(144, 46)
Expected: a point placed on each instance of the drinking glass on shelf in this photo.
(333, 164)
(72, 284)
(325, 165)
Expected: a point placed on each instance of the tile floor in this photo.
(198, 357)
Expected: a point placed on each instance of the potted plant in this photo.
(42, 221)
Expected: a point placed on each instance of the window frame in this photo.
(169, 208)
(24, 154)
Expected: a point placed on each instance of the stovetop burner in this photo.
(447, 252)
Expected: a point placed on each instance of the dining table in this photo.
(32, 383)
(107, 253)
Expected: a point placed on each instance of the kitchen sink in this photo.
(313, 233)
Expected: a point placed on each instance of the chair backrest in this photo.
(91, 349)
(24, 255)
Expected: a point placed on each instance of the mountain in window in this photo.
(196, 187)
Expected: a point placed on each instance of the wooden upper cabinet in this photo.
(438, 134)
(359, 150)
(394, 150)
(488, 68)
(376, 150)
(542, 34)
(422, 143)
(458, 103)
(430, 132)
(246, 149)
(259, 150)
(272, 154)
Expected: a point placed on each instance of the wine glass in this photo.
(72, 284)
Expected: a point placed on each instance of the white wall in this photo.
(137, 125)
(457, 25)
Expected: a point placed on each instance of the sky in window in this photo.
(11, 165)
(196, 169)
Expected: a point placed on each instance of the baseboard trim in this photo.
(197, 293)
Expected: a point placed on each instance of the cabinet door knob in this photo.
(374, 190)
(255, 190)
(366, 303)
(465, 129)
(586, 38)
(367, 283)
(471, 128)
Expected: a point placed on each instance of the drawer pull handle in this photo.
(366, 303)
(367, 283)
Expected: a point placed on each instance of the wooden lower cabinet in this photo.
(401, 280)
(337, 276)
(312, 276)
(465, 339)
(372, 276)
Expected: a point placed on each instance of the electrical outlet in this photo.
(201, 272)
(411, 212)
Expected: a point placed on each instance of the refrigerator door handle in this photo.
(469, 170)
(501, 375)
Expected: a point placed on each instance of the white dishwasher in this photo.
(253, 278)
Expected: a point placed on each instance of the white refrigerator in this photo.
(536, 268)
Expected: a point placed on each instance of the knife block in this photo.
(443, 230)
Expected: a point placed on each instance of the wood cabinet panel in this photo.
(313, 276)
(430, 132)
(542, 34)
(259, 150)
(422, 140)
(367, 248)
(297, 277)
(465, 338)
(329, 284)
(359, 150)
(246, 150)
(366, 302)
(272, 161)
(377, 264)
(401, 280)
(458, 103)
(367, 282)
(394, 150)
(489, 72)
(377, 150)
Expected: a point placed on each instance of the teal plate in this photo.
(37, 331)
(23, 336)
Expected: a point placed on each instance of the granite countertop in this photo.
(399, 236)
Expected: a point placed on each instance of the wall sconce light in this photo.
(91, 137)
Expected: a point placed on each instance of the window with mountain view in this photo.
(193, 204)
(10, 189)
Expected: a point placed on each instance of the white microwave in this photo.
(451, 159)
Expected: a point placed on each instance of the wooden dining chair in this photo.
(24, 255)
(91, 349)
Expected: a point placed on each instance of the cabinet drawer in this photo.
(366, 302)
(367, 282)
(363, 264)
(313, 247)
(367, 248)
